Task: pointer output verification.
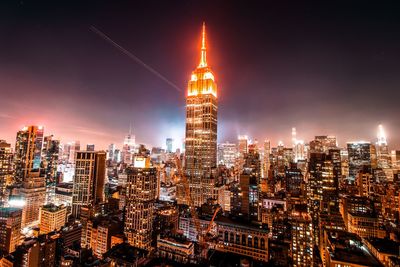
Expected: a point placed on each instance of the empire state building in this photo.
(201, 128)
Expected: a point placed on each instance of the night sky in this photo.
(324, 69)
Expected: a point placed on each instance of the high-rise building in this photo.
(364, 182)
(382, 151)
(336, 158)
(33, 194)
(141, 194)
(395, 158)
(265, 160)
(227, 154)
(6, 168)
(359, 157)
(89, 180)
(302, 242)
(294, 180)
(117, 155)
(52, 218)
(169, 143)
(201, 128)
(28, 151)
(323, 143)
(323, 185)
(249, 182)
(50, 156)
(128, 148)
(243, 141)
(111, 152)
(10, 228)
(28, 158)
(299, 150)
(69, 151)
(323, 189)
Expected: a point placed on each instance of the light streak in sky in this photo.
(135, 58)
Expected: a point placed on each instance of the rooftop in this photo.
(125, 253)
(385, 246)
(52, 207)
(65, 185)
(355, 255)
(347, 247)
(239, 223)
(176, 241)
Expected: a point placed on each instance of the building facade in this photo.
(89, 179)
(6, 168)
(28, 152)
(52, 218)
(227, 154)
(10, 228)
(359, 157)
(244, 240)
(141, 194)
(201, 128)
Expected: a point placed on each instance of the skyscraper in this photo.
(266, 162)
(141, 194)
(201, 128)
(28, 151)
(89, 180)
(6, 167)
(50, 156)
(69, 151)
(323, 184)
(359, 157)
(382, 150)
(169, 142)
(227, 154)
(302, 237)
(111, 152)
(128, 149)
(33, 193)
(28, 158)
(323, 143)
(243, 141)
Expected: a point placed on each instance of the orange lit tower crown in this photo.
(201, 127)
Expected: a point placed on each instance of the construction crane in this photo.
(202, 235)
(212, 219)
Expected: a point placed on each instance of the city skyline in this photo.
(279, 147)
(280, 83)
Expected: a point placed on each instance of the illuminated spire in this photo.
(203, 59)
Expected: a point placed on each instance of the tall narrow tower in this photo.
(201, 128)
(382, 148)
